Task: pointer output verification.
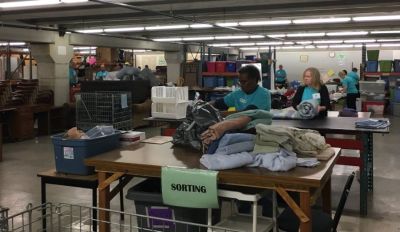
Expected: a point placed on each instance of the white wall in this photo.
(150, 59)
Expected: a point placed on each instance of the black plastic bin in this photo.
(148, 201)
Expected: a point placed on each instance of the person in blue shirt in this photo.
(356, 77)
(349, 87)
(313, 89)
(102, 74)
(280, 77)
(250, 95)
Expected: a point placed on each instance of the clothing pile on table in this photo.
(272, 147)
(305, 110)
(373, 124)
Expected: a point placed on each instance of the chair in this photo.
(322, 222)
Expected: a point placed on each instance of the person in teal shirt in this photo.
(250, 95)
(349, 87)
(356, 77)
(280, 76)
(102, 74)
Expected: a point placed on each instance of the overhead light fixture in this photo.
(267, 48)
(288, 43)
(341, 46)
(91, 31)
(232, 37)
(124, 29)
(376, 18)
(17, 43)
(141, 50)
(360, 41)
(385, 32)
(166, 27)
(257, 36)
(327, 41)
(358, 45)
(390, 45)
(322, 46)
(322, 20)
(276, 35)
(265, 23)
(219, 45)
(200, 25)
(25, 50)
(198, 38)
(313, 34)
(167, 39)
(347, 33)
(84, 48)
(293, 47)
(373, 45)
(388, 40)
(249, 49)
(17, 4)
(87, 52)
(229, 24)
(309, 47)
(304, 42)
(270, 43)
(241, 44)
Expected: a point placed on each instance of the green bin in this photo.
(373, 54)
(385, 65)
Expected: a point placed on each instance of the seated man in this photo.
(250, 95)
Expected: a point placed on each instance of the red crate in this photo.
(210, 66)
(220, 66)
(376, 108)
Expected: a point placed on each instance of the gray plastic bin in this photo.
(148, 201)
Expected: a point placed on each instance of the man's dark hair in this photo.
(345, 71)
(354, 70)
(251, 71)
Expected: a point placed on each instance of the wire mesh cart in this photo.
(67, 217)
(104, 108)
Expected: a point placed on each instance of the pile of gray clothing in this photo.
(131, 73)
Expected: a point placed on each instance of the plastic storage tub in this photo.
(210, 66)
(221, 82)
(169, 110)
(230, 66)
(372, 66)
(148, 201)
(71, 153)
(209, 82)
(376, 108)
(220, 66)
(163, 94)
(373, 55)
(396, 97)
(385, 65)
(396, 65)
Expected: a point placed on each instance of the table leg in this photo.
(326, 198)
(364, 176)
(370, 162)
(121, 201)
(104, 203)
(94, 211)
(305, 205)
(43, 196)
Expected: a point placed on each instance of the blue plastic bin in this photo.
(230, 66)
(397, 94)
(396, 65)
(210, 82)
(372, 66)
(221, 82)
(71, 153)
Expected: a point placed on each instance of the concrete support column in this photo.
(53, 67)
(174, 61)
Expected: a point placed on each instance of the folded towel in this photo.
(228, 139)
(373, 124)
(222, 162)
(235, 148)
(308, 109)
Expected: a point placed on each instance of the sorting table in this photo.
(146, 160)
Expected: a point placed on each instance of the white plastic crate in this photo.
(169, 110)
(162, 94)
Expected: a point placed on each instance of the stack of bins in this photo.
(396, 100)
(372, 63)
(169, 102)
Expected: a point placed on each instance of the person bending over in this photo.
(349, 87)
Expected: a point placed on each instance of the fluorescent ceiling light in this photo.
(230, 24)
(167, 39)
(385, 32)
(360, 41)
(276, 35)
(265, 23)
(322, 20)
(341, 46)
(317, 34)
(322, 46)
(390, 45)
(373, 45)
(201, 25)
(293, 47)
(89, 31)
(84, 48)
(309, 46)
(166, 27)
(232, 37)
(17, 43)
(358, 45)
(388, 40)
(327, 41)
(304, 42)
(25, 50)
(270, 43)
(123, 29)
(28, 3)
(141, 50)
(257, 36)
(241, 44)
(198, 38)
(288, 43)
(87, 52)
(347, 33)
(249, 49)
(267, 48)
(219, 45)
(376, 18)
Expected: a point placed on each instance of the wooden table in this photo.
(146, 160)
(346, 125)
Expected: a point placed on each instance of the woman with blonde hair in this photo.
(313, 89)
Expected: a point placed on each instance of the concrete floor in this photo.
(20, 186)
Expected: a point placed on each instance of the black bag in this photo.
(199, 117)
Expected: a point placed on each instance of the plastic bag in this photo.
(99, 131)
(199, 117)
